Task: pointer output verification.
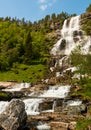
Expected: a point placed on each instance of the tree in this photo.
(88, 9)
(82, 62)
(28, 48)
(53, 17)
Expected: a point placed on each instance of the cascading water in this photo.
(32, 104)
(71, 37)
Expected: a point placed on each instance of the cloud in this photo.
(43, 7)
(44, 4)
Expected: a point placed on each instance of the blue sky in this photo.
(37, 9)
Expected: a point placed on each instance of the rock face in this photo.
(14, 116)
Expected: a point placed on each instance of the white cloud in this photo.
(44, 4)
(43, 7)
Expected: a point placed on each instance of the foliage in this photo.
(21, 72)
(26, 43)
(3, 96)
(82, 62)
(83, 124)
(86, 21)
(88, 8)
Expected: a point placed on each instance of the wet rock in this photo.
(52, 81)
(63, 44)
(4, 85)
(47, 105)
(7, 96)
(75, 109)
(75, 33)
(14, 116)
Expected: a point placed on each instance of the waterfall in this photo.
(71, 37)
(32, 104)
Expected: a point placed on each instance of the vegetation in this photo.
(86, 21)
(82, 62)
(83, 124)
(4, 96)
(25, 46)
(88, 9)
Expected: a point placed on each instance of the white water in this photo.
(3, 105)
(74, 103)
(32, 105)
(18, 87)
(67, 35)
(56, 92)
(43, 127)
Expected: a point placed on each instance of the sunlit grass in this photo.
(22, 72)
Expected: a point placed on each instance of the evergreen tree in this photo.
(28, 48)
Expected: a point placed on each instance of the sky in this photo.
(34, 10)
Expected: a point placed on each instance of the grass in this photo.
(23, 72)
(83, 124)
(85, 89)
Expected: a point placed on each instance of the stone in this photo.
(14, 116)
(63, 44)
(72, 125)
(46, 105)
(59, 125)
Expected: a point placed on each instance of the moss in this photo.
(4, 96)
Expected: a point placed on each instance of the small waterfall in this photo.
(54, 105)
(32, 104)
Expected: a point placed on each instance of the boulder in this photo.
(14, 116)
(72, 125)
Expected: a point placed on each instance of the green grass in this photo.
(22, 72)
(85, 89)
(83, 124)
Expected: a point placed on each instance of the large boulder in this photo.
(14, 116)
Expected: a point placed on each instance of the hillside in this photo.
(25, 46)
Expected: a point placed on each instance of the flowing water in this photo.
(32, 104)
(71, 37)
